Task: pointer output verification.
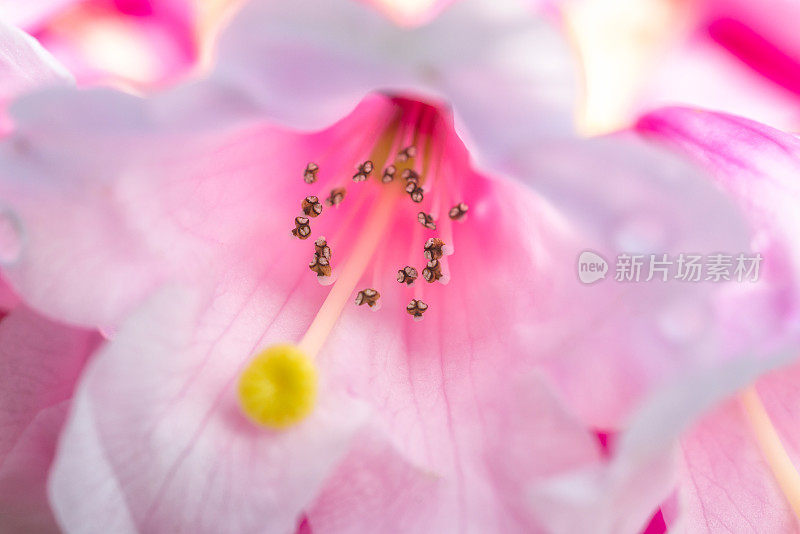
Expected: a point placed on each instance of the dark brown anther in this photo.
(322, 249)
(459, 211)
(364, 170)
(367, 296)
(302, 228)
(407, 153)
(311, 206)
(388, 174)
(426, 220)
(310, 174)
(407, 275)
(417, 194)
(416, 308)
(432, 272)
(336, 196)
(433, 248)
(320, 265)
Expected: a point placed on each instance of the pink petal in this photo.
(517, 83)
(411, 13)
(40, 361)
(24, 65)
(141, 44)
(31, 13)
(157, 442)
(725, 480)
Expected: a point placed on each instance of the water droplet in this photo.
(10, 237)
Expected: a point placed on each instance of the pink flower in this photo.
(138, 44)
(735, 56)
(40, 362)
(722, 481)
(24, 66)
(166, 223)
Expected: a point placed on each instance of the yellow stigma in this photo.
(279, 387)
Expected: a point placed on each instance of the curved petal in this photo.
(99, 225)
(40, 362)
(24, 65)
(504, 70)
(156, 441)
(756, 167)
(725, 481)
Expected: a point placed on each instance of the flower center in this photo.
(403, 159)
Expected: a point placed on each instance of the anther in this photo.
(364, 170)
(410, 175)
(388, 174)
(336, 196)
(407, 275)
(433, 248)
(407, 153)
(321, 248)
(367, 296)
(302, 229)
(416, 308)
(432, 272)
(459, 211)
(417, 195)
(310, 174)
(320, 265)
(311, 206)
(426, 220)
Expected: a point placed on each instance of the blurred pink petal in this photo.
(725, 482)
(757, 166)
(735, 56)
(137, 44)
(40, 361)
(505, 71)
(24, 65)
(410, 12)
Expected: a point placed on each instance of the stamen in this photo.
(373, 229)
(458, 212)
(407, 275)
(364, 170)
(302, 228)
(433, 248)
(321, 248)
(771, 447)
(407, 153)
(426, 220)
(310, 174)
(416, 308)
(388, 174)
(311, 206)
(336, 196)
(368, 296)
(320, 265)
(432, 272)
